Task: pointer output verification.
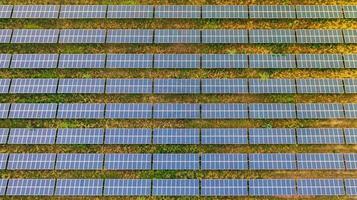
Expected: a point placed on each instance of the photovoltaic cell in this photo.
(272, 86)
(127, 187)
(318, 187)
(30, 187)
(4, 86)
(130, 36)
(81, 86)
(318, 11)
(351, 110)
(176, 136)
(4, 59)
(272, 136)
(270, 161)
(221, 86)
(4, 132)
(128, 86)
(33, 86)
(350, 36)
(82, 36)
(130, 11)
(351, 186)
(35, 36)
(3, 161)
(5, 11)
(320, 161)
(128, 111)
(224, 111)
(224, 61)
(32, 61)
(319, 111)
(224, 162)
(129, 61)
(351, 161)
(224, 187)
(81, 61)
(272, 12)
(127, 136)
(33, 161)
(175, 187)
(350, 85)
(177, 36)
(4, 110)
(224, 136)
(5, 35)
(73, 161)
(79, 187)
(224, 36)
(177, 86)
(351, 135)
(80, 111)
(319, 61)
(175, 161)
(272, 187)
(326, 36)
(80, 136)
(272, 36)
(127, 162)
(272, 111)
(33, 111)
(319, 86)
(176, 111)
(320, 136)
(272, 61)
(224, 12)
(36, 11)
(32, 136)
(176, 61)
(350, 11)
(178, 11)
(83, 11)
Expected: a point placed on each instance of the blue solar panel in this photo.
(320, 161)
(224, 162)
(319, 61)
(34, 61)
(128, 136)
(351, 135)
(224, 111)
(73, 161)
(177, 36)
(320, 136)
(224, 12)
(272, 12)
(3, 161)
(351, 110)
(272, 61)
(33, 111)
(4, 110)
(318, 11)
(33, 161)
(36, 11)
(317, 187)
(220, 86)
(272, 111)
(79, 61)
(224, 187)
(350, 85)
(319, 86)
(81, 86)
(224, 136)
(179, 61)
(175, 161)
(82, 36)
(129, 61)
(319, 36)
(272, 86)
(80, 136)
(351, 187)
(319, 111)
(177, 86)
(80, 111)
(33, 86)
(127, 162)
(224, 36)
(30, 187)
(272, 187)
(4, 59)
(128, 111)
(32, 136)
(176, 136)
(350, 11)
(130, 11)
(4, 86)
(129, 86)
(3, 184)
(83, 11)
(177, 11)
(350, 36)
(272, 36)
(5, 35)
(272, 136)
(5, 11)
(127, 187)
(276, 161)
(176, 111)
(351, 161)
(175, 187)
(137, 36)
(79, 187)
(35, 36)
(224, 61)
(4, 132)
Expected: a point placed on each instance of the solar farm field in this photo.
(206, 101)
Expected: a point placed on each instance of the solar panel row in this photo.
(165, 36)
(178, 11)
(178, 111)
(178, 187)
(215, 161)
(177, 86)
(70, 61)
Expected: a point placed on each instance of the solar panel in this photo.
(272, 61)
(272, 86)
(130, 11)
(32, 136)
(35, 36)
(80, 111)
(5, 35)
(224, 162)
(317, 187)
(272, 12)
(272, 187)
(130, 36)
(30, 187)
(36, 11)
(224, 136)
(224, 12)
(319, 86)
(224, 61)
(271, 36)
(74, 161)
(4, 110)
(319, 61)
(4, 132)
(176, 136)
(351, 161)
(3, 184)
(176, 111)
(82, 36)
(224, 36)
(351, 135)
(351, 186)
(270, 161)
(33, 86)
(128, 111)
(272, 136)
(33, 61)
(83, 11)
(175, 187)
(320, 161)
(78, 61)
(350, 11)
(4, 86)
(327, 36)
(224, 187)
(350, 85)
(350, 110)
(320, 136)
(177, 11)
(318, 11)
(177, 86)
(175, 161)
(128, 136)
(224, 86)
(4, 59)
(272, 111)
(5, 11)
(350, 36)
(33, 161)
(80, 136)
(129, 61)
(177, 36)
(79, 187)
(127, 187)
(33, 111)
(176, 61)
(3, 161)
(319, 111)
(128, 86)
(127, 162)
(224, 111)
(81, 86)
